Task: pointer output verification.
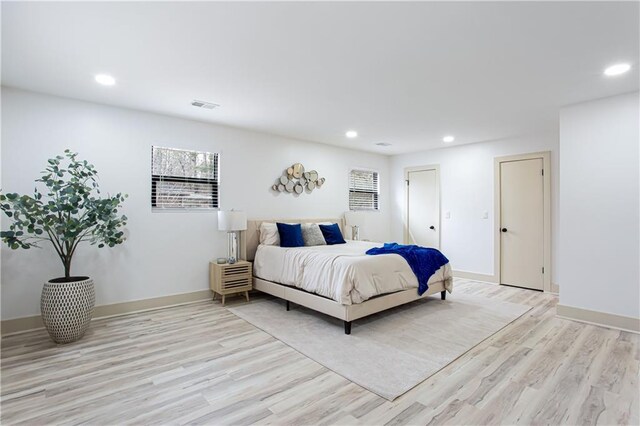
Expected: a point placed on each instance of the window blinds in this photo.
(183, 179)
(364, 190)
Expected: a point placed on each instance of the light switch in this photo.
(447, 215)
(485, 215)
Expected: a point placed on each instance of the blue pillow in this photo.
(332, 234)
(290, 235)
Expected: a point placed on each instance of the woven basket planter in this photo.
(67, 308)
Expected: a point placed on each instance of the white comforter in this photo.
(342, 272)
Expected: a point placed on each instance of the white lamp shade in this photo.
(354, 218)
(232, 220)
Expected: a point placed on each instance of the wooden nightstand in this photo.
(230, 278)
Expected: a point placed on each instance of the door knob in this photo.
(504, 229)
(432, 227)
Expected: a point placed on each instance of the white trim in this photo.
(485, 278)
(546, 166)
(603, 319)
(24, 324)
(405, 218)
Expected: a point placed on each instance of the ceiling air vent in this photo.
(383, 144)
(203, 104)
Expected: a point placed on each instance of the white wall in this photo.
(466, 187)
(166, 253)
(599, 213)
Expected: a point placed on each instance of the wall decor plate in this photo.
(289, 186)
(284, 180)
(299, 189)
(311, 185)
(298, 170)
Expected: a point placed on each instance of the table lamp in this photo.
(233, 222)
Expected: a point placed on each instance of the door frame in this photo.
(497, 251)
(405, 219)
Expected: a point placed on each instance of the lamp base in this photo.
(355, 233)
(233, 247)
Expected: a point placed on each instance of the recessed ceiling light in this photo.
(383, 144)
(617, 69)
(448, 139)
(105, 79)
(352, 134)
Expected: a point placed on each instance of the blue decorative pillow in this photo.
(332, 234)
(290, 235)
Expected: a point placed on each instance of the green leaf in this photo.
(72, 207)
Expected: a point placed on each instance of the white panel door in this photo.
(423, 208)
(522, 223)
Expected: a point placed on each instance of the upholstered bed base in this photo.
(347, 313)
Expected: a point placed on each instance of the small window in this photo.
(364, 190)
(183, 179)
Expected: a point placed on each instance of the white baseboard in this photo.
(491, 279)
(475, 276)
(603, 319)
(19, 325)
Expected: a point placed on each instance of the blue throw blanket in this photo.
(424, 262)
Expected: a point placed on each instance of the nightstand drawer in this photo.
(236, 270)
(236, 284)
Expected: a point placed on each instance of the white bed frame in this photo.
(347, 313)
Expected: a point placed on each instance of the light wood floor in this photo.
(200, 364)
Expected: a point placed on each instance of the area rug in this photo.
(390, 352)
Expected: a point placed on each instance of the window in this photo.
(364, 190)
(183, 179)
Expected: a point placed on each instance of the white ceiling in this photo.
(402, 73)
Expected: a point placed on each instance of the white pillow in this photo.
(269, 235)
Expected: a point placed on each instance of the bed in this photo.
(337, 280)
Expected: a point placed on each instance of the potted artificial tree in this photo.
(72, 212)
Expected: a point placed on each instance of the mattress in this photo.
(342, 272)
